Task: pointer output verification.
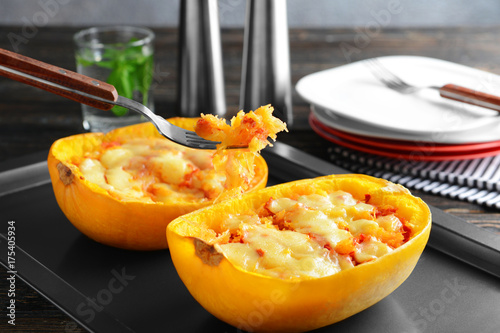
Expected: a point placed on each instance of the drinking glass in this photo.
(123, 57)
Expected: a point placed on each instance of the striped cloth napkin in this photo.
(474, 180)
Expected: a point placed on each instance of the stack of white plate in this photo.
(351, 108)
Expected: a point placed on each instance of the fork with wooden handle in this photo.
(450, 91)
(89, 91)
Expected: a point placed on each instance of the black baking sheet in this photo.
(112, 290)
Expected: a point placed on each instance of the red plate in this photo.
(422, 146)
(405, 149)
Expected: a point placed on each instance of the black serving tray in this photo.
(454, 287)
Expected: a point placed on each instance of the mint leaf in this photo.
(131, 71)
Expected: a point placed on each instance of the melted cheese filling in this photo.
(153, 170)
(310, 236)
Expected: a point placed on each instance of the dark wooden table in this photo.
(31, 119)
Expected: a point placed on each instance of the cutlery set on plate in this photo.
(416, 114)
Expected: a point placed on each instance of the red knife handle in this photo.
(469, 96)
(60, 76)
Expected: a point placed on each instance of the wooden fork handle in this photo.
(59, 76)
(469, 96)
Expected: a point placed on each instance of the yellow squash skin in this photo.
(254, 302)
(131, 225)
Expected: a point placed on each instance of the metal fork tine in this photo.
(388, 74)
(202, 145)
(181, 135)
(381, 73)
(192, 136)
(375, 69)
(193, 139)
(388, 78)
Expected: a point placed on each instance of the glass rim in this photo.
(78, 37)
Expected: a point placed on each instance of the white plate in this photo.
(353, 92)
(335, 121)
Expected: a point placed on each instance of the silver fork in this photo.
(450, 91)
(92, 92)
(167, 129)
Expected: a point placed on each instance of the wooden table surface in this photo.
(31, 119)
